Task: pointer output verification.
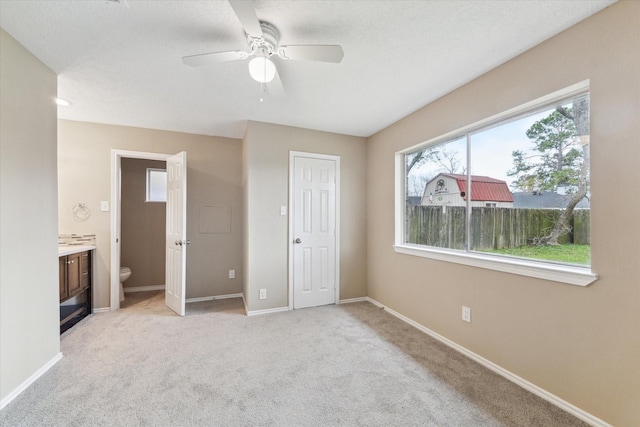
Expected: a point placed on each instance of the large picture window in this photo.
(514, 188)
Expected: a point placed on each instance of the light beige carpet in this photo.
(345, 365)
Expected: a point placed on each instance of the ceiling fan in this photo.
(263, 41)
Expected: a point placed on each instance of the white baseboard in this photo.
(538, 391)
(279, 309)
(188, 300)
(259, 312)
(266, 311)
(22, 387)
(144, 288)
(101, 310)
(350, 300)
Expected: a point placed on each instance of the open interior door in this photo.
(176, 240)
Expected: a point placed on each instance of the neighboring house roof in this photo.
(414, 200)
(483, 188)
(545, 200)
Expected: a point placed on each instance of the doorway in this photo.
(143, 224)
(175, 208)
(314, 229)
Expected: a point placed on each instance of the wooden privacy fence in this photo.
(491, 228)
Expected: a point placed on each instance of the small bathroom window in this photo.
(156, 185)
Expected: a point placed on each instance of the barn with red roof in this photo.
(448, 189)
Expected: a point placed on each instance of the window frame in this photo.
(147, 197)
(548, 270)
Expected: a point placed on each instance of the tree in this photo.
(555, 160)
(446, 161)
(417, 182)
(561, 158)
(414, 159)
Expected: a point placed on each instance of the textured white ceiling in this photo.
(121, 64)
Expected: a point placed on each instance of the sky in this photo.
(490, 150)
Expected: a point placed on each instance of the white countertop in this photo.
(72, 249)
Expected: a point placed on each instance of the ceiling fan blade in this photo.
(276, 90)
(214, 58)
(247, 16)
(322, 53)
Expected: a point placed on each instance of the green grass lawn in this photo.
(574, 254)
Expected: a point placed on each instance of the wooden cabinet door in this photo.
(85, 269)
(74, 274)
(64, 292)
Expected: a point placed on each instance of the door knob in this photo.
(298, 240)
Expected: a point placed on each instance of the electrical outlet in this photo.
(466, 314)
(263, 294)
(232, 274)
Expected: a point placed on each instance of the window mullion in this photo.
(468, 190)
(405, 207)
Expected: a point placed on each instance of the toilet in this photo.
(125, 273)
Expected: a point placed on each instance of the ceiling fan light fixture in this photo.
(61, 102)
(262, 69)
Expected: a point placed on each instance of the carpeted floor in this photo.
(340, 365)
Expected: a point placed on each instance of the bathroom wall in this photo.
(214, 172)
(142, 236)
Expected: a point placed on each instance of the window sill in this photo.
(572, 275)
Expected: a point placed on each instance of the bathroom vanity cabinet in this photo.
(75, 287)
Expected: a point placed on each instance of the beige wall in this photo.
(266, 186)
(213, 178)
(581, 344)
(143, 225)
(29, 298)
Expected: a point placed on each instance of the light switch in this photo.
(283, 210)
(104, 206)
